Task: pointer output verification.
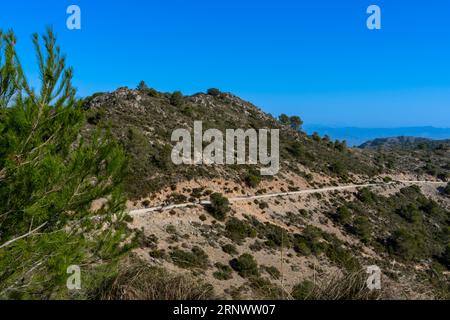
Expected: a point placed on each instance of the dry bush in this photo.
(350, 286)
(136, 280)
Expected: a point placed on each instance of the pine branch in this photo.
(7, 243)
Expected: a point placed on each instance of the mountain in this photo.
(356, 136)
(405, 143)
(143, 121)
(307, 232)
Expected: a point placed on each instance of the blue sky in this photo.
(315, 58)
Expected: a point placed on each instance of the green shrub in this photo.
(230, 249)
(362, 228)
(223, 272)
(431, 169)
(411, 192)
(405, 244)
(340, 146)
(410, 213)
(177, 198)
(197, 192)
(95, 117)
(151, 92)
(157, 254)
(264, 289)
(219, 206)
(315, 136)
(301, 246)
(245, 265)
(187, 111)
(197, 258)
(344, 216)
(366, 196)
(338, 168)
(295, 148)
(276, 236)
(342, 257)
(237, 230)
(272, 271)
(171, 229)
(144, 241)
(309, 242)
(303, 290)
(176, 99)
(387, 179)
(284, 119)
(214, 92)
(252, 179)
(263, 205)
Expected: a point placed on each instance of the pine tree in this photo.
(142, 86)
(295, 122)
(284, 119)
(8, 74)
(50, 176)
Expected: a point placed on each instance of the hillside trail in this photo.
(282, 194)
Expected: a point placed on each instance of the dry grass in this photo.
(136, 280)
(351, 286)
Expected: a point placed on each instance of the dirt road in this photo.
(282, 194)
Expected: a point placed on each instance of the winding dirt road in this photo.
(282, 194)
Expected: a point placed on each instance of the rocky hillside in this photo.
(143, 121)
(416, 155)
(249, 236)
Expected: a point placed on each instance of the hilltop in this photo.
(143, 121)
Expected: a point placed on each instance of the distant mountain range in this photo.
(357, 136)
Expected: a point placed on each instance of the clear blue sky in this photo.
(315, 58)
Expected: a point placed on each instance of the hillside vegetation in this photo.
(416, 155)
